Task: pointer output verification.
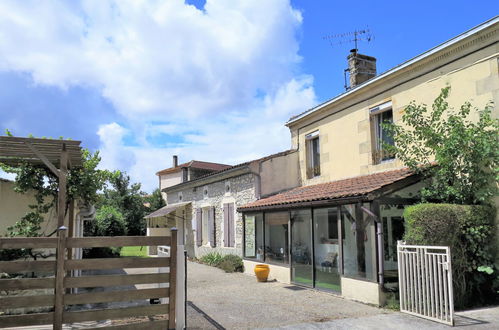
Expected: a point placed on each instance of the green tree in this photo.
(155, 201)
(460, 156)
(127, 198)
(110, 222)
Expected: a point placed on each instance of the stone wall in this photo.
(239, 190)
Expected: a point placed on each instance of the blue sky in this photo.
(210, 80)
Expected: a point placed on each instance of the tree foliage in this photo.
(128, 199)
(466, 152)
(155, 201)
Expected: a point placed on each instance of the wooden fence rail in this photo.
(64, 297)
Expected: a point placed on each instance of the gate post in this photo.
(59, 278)
(173, 280)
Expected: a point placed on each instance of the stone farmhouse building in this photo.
(210, 221)
(338, 230)
(328, 213)
(176, 174)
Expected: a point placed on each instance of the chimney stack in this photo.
(361, 67)
(175, 160)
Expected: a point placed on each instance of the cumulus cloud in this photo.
(214, 84)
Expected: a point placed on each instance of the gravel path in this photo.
(238, 301)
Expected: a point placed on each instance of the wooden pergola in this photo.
(58, 156)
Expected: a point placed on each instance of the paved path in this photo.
(475, 319)
(238, 301)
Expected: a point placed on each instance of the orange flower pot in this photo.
(262, 272)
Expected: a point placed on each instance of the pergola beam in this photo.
(45, 160)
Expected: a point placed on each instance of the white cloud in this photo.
(223, 78)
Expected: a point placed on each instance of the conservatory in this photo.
(339, 236)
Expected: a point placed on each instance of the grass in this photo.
(134, 251)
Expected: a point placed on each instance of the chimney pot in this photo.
(175, 161)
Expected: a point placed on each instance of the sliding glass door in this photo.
(301, 248)
(327, 249)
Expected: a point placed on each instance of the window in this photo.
(205, 226)
(180, 196)
(229, 231)
(253, 236)
(276, 237)
(313, 155)
(266, 238)
(380, 115)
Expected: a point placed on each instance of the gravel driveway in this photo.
(238, 301)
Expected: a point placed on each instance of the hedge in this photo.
(469, 232)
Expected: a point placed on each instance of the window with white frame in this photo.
(313, 156)
(380, 116)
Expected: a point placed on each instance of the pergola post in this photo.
(61, 242)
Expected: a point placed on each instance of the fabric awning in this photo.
(165, 211)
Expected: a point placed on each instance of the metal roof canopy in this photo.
(56, 155)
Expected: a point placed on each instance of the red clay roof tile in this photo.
(352, 187)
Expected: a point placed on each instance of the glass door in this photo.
(327, 252)
(302, 271)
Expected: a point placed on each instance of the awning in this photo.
(165, 211)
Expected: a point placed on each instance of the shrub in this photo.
(468, 230)
(212, 259)
(231, 263)
(108, 222)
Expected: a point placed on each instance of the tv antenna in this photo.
(348, 37)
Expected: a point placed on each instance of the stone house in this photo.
(204, 209)
(178, 173)
(338, 231)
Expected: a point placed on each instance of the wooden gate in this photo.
(62, 297)
(425, 282)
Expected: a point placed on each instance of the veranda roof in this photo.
(360, 187)
(17, 150)
(166, 210)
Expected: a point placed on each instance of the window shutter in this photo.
(232, 233)
(226, 225)
(199, 227)
(211, 226)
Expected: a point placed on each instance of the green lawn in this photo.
(134, 251)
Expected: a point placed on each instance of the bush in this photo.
(108, 222)
(212, 259)
(231, 263)
(469, 232)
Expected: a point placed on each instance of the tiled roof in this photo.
(195, 164)
(228, 168)
(352, 187)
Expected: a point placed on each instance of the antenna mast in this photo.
(348, 37)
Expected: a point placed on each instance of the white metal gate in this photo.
(425, 282)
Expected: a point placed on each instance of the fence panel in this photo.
(425, 282)
(63, 284)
